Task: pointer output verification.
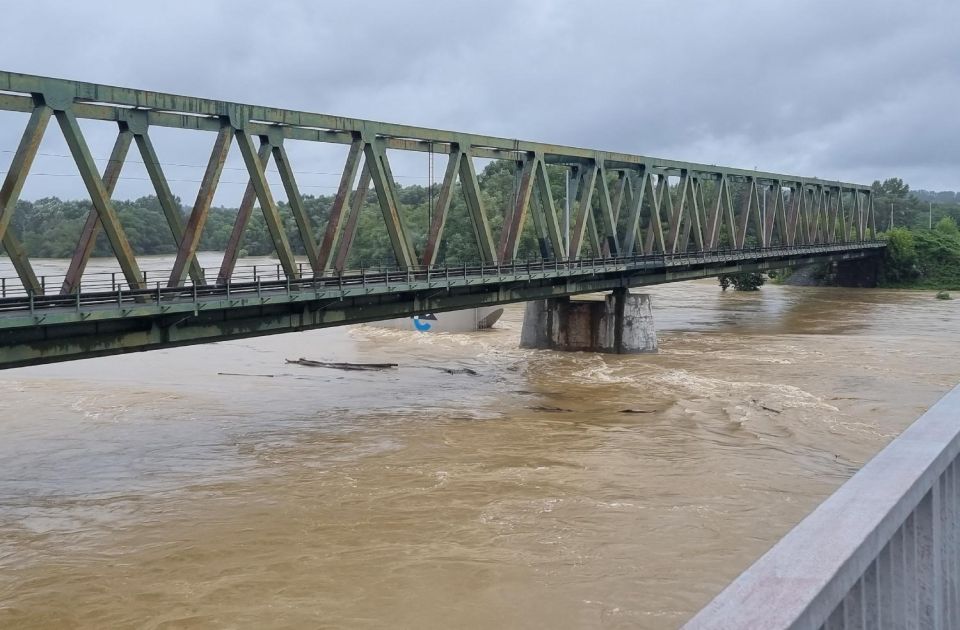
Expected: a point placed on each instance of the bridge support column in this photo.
(862, 273)
(620, 323)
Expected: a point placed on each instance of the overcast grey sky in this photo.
(856, 90)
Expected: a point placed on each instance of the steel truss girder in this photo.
(658, 218)
(105, 102)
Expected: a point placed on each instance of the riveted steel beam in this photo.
(353, 221)
(383, 182)
(295, 201)
(715, 218)
(545, 195)
(730, 211)
(21, 263)
(608, 221)
(22, 161)
(750, 206)
(510, 237)
(201, 207)
(91, 227)
(13, 185)
(677, 212)
(660, 201)
(779, 219)
(439, 222)
(586, 182)
(98, 194)
(632, 235)
(538, 213)
(256, 168)
(232, 251)
(169, 205)
(331, 235)
(470, 186)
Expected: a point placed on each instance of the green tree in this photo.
(900, 257)
(947, 225)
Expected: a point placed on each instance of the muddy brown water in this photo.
(150, 491)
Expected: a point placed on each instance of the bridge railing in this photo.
(882, 552)
(111, 281)
(273, 283)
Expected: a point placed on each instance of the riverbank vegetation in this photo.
(923, 240)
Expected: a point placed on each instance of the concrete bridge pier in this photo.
(619, 323)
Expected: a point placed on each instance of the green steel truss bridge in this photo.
(633, 220)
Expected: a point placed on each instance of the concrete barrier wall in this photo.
(882, 552)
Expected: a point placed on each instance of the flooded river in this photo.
(548, 490)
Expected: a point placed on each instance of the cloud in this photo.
(858, 90)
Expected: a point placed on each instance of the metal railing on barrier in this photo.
(110, 287)
(882, 552)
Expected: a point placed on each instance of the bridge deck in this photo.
(41, 329)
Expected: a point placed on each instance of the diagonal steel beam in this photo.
(750, 206)
(232, 250)
(538, 212)
(632, 235)
(98, 194)
(510, 238)
(470, 186)
(608, 222)
(794, 212)
(435, 236)
(21, 263)
(295, 201)
(842, 214)
(813, 216)
(775, 216)
(257, 170)
(585, 185)
(20, 166)
(833, 213)
(382, 178)
(696, 214)
(507, 225)
(331, 235)
(10, 194)
(545, 195)
(659, 201)
(353, 221)
(201, 207)
(91, 227)
(169, 205)
(677, 213)
(712, 219)
(731, 212)
(861, 215)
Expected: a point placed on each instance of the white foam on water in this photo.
(705, 386)
(599, 371)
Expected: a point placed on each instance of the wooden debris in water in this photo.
(357, 367)
(239, 374)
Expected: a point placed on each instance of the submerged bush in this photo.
(742, 281)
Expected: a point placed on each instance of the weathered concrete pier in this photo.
(619, 323)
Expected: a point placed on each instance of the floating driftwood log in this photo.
(343, 366)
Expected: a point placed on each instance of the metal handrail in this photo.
(11, 286)
(391, 277)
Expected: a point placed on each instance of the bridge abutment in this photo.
(619, 323)
(863, 273)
